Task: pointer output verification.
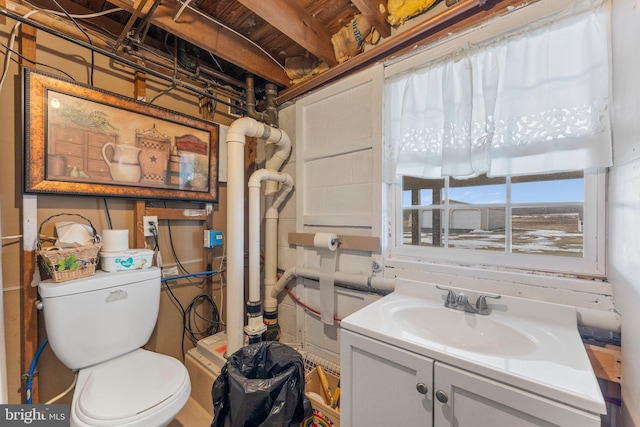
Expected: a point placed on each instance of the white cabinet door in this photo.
(462, 399)
(381, 385)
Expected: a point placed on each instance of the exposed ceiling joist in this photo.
(297, 24)
(376, 13)
(214, 38)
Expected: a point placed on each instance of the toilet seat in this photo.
(139, 388)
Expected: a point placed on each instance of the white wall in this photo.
(623, 265)
(336, 167)
(338, 140)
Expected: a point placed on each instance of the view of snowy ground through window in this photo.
(558, 234)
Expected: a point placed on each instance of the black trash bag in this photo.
(261, 384)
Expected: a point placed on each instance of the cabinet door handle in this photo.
(422, 388)
(442, 396)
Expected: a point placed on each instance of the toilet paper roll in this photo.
(325, 241)
(115, 240)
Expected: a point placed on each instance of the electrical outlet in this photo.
(148, 222)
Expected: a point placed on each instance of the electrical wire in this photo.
(124, 61)
(191, 316)
(305, 306)
(230, 29)
(83, 16)
(64, 393)
(188, 331)
(12, 40)
(93, 54)
(106, 211)
(154, 233)
(180, 307)
(164, 92)
(35, 62)
(55, 12)
(223, 270)
(173, 248)
(203, 273)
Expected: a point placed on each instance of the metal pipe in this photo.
(115, 57)
(272, 108)
(251, 101)
(129, 24)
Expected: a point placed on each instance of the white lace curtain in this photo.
(529, 103)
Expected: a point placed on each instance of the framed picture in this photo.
(86, 141)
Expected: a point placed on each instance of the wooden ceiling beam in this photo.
(461, 16)
(376, 13)
(103, 23)
(208, 35)
(293, 21)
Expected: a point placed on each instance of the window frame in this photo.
(591, 264)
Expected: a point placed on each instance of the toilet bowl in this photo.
(141, 388)
(97, 325)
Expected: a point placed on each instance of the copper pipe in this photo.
(384, 51)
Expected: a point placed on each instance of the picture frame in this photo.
(80, 140)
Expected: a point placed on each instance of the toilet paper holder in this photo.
(358, 243)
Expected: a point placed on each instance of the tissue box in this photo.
(323, 414)
(131, 259)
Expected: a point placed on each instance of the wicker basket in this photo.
(70, 263)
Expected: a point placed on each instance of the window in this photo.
(497, 151)
(546, 222)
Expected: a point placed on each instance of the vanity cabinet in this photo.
(382, 385)
(385, 385)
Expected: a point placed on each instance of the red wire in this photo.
(305, 306)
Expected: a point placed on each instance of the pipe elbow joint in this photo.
(243, 127)
(256, 179)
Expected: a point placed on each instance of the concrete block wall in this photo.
(286, 225)
(336, 166)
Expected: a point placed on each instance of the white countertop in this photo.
(545, 355)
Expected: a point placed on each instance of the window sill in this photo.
(593, 293)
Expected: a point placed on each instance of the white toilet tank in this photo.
(97, 318)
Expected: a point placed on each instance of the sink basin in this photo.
(466, 331)
(531, 345)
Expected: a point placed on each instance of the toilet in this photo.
(97, 325)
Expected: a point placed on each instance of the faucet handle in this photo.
(481, 303)
(451, 296)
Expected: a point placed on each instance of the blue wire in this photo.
(32, 369)
(204, 273)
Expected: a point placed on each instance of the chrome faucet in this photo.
(481, 303)
(461, 302)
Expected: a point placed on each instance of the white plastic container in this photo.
(133, 259)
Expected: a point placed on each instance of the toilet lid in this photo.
(130, 384)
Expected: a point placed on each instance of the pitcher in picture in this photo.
(124, 164)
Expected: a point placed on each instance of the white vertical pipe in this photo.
(272, 203)
(236, 135)
(271, 247)
(254, 223)
(254, 241)
(236, 138)
(235, 245)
